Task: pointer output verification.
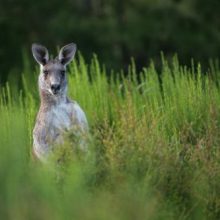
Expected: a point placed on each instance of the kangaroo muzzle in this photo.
(55, 88)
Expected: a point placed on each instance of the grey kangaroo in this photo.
(57, 113)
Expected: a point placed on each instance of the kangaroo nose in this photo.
(55, 88)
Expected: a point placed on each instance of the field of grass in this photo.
(154, 147)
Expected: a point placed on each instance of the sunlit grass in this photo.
(154, 147)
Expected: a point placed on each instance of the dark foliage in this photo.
(115, 30)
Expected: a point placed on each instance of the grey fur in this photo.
(57, 113)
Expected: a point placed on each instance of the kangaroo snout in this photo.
(55, 88)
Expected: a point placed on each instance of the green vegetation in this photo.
(154, 147)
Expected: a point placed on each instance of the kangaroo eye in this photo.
(62, 72)
(45, 72)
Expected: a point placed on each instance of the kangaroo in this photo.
(57, 113)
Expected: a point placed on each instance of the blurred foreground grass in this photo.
(154, 147)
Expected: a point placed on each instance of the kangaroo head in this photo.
(52, 78)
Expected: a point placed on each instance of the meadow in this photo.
(154, 146)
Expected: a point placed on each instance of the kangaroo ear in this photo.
(67, 53)
(40, 53)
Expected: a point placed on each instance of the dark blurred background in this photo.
(114, 29)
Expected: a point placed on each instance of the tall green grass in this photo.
(154, 147)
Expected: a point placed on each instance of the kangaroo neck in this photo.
(48, 100)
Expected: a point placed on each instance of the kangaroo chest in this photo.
(60, 117)
(56, 121)
(53, 122)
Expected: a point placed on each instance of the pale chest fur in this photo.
(53, 122)
(60, 117)
(64, 116)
